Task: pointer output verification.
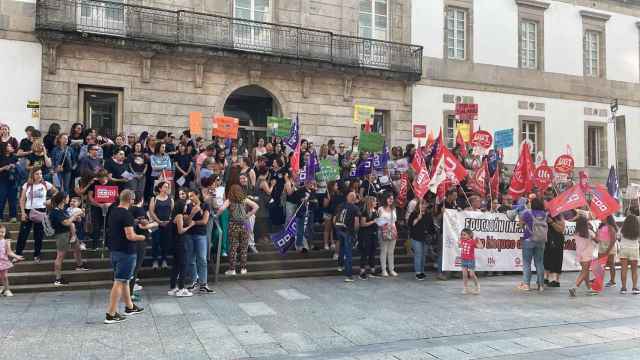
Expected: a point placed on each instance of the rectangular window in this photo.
(373, 20)
(591, 53)
(529, 44)
(531, 131)
(594, 146)
(456, 33)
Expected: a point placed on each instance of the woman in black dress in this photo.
(554, 250)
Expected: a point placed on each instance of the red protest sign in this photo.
(105, 194)
(168, 175)
(482, 138)
(420, 131)
(404, 186)
(543, 177)
(466, 111)
(564, 164)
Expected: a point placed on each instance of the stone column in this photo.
(52, 56)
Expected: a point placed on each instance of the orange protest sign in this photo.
(225, 127)
(195, 123)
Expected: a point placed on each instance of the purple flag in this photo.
(286, 238)
(364, 167)
(294, 134)
(613, 187)
(380, 160)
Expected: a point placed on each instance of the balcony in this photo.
(182, 30)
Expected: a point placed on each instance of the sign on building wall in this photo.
(420, 131)
(466, 111)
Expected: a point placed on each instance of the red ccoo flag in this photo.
(479, 180)
(602, 204)
(572, 198)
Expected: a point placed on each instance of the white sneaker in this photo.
(184, 293)
(385, 273)
(173, 292)
(340, 269)
(83, 246)
(137, 287)
(393, 273)
(155, 265)
(335, 257)
(253, 249)
(8, 293)
(230, 272)
(164, 264)
(243, 271)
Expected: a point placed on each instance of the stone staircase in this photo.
(28, 276)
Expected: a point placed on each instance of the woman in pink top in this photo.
(584, 253)
(606, 239)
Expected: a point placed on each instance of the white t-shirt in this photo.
(36, 195)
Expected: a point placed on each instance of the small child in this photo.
(468, 246)
(75, 207)
(5, 264)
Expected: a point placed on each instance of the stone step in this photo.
(146, 280)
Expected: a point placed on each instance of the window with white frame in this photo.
(256, 10)
(591, 53)
(594, 146)
(373, 19)
(451, 130)
(529, 44)
(456, 33)
(531, 131)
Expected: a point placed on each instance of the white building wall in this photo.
(564, 120)
(495, 42)
(20, 71)
(495, 36)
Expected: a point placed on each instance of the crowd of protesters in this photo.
(181, 193)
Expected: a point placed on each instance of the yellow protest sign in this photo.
(465, 130)
(362, 113)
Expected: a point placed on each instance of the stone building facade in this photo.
(157, 62)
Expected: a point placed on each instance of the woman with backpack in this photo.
(33, 210)
(534, 223)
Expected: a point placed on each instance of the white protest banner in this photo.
(502, 239)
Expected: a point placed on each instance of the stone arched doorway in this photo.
(252, 105)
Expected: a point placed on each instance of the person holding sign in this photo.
(100, 202)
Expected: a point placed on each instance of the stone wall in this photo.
(325, 104)
(17, 20)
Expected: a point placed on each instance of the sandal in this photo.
(523, 287)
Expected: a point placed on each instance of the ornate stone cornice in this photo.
(594, 15)
(539, 5)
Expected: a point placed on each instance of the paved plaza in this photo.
(324, 318)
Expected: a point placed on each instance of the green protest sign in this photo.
(278, 126)
(371, 142)
(329, 170)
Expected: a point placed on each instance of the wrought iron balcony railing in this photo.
(182, 27)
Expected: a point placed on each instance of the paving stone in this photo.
(448, 353)
(166, 309)
(257, 309)
(292, 294)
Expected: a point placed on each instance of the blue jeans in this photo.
(537, 255)
(65, 181)
(346, 249)
(300, 243)
(418, 256)
(196, 259)
(8, 193)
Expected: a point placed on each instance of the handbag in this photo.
(36, 216)
(389, 232)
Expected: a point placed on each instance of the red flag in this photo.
(479, 180)
(602, 204)
(421, 182)
(295, 160)
(522, 179)
(446, 165)
(584, 180)
(597, 268)
(461, 145)
(404, 186)
(572, 198)
(494, 183)
(418, 161)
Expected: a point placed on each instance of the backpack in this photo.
(539, 229)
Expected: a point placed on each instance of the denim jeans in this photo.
(8, 193)
(161, 242)
(198, 259)
(418, 256)
(346, 248)
(64, 178)
(537, 255)
(300, 234)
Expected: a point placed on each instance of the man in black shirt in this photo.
(123, 257)
(347, 222)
